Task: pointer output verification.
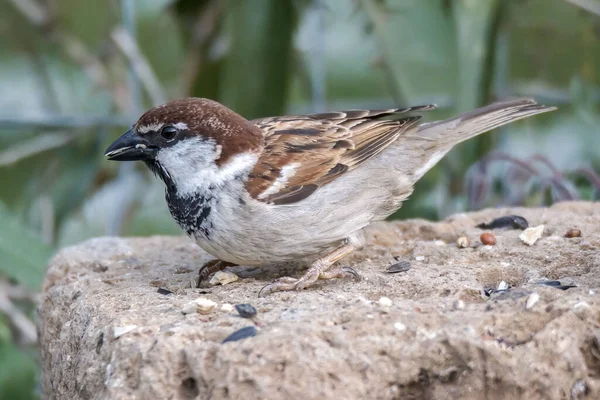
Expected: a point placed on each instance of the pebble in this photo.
(458, 305)
(385, 301)
(226, 307)
(532, 300)
(399, 326)
(487, 239)
(401, 266)
(223, 278)
(244, 333)
(573, 233)
(201, 305)
(463, 242)
(502, 286)
(119, 331)
(246, 310)
(530, 235)
(420, 258)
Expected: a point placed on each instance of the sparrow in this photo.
(288, 189)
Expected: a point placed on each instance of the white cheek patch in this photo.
(191, 163)
(287, 172)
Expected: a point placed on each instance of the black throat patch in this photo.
(191, 212)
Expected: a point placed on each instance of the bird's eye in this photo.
(168, 132)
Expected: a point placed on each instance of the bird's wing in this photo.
(303, 153)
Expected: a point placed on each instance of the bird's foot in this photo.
(318, 270)
(287, 283)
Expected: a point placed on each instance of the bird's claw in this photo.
(288, 283)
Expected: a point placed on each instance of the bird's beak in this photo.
(130, 147)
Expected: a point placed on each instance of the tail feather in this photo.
(472, 123)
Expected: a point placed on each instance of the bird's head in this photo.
(190, 140)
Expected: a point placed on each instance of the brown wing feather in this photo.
(303, 153)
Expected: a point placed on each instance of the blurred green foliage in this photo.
(66, 91)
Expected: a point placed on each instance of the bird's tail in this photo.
(470, 124)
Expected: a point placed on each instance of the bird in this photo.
(294, 189)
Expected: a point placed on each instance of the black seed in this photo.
(164, 291)
(510, 221)
(401, 266)
(246, 310)
(555, 284)
(246, 332)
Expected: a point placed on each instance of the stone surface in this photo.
(107, 332)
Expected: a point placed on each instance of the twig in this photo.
(204, 28)
(318, 72)
(33, 146)
(130, 49)
(61, 122)
(73, 48)
(32, 11)
(592, 6)
(18, 320)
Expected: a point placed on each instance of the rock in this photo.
(440, 338)
(530, 235)
(226, 307)
(223, 278)
(532, 300)
(246, 310)
(200, 305)
(119, 331)
(384, 301)
(463, 242)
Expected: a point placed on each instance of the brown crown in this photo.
(210, 119)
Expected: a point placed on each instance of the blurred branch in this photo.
(33, 146)
(32, 11)
(130, 49)
(592, 6)
(72, 46)
(204, 29)
(318, 68)
(53, 122)
(19, 321)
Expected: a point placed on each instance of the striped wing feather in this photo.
(305, 152)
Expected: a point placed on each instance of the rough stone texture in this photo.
(107, 333)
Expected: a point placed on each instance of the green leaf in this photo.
(23, 254)
(475, 35)
(256, 74)
(417, 42)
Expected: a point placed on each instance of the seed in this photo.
(401, 266)
(246, 310)
(240, 334)
(463, 242)
(488, 239)
(573, 233)
(510, 221)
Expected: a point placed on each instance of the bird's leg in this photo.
(210, 268)
(318, 270)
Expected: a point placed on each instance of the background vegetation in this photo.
(74, 74)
